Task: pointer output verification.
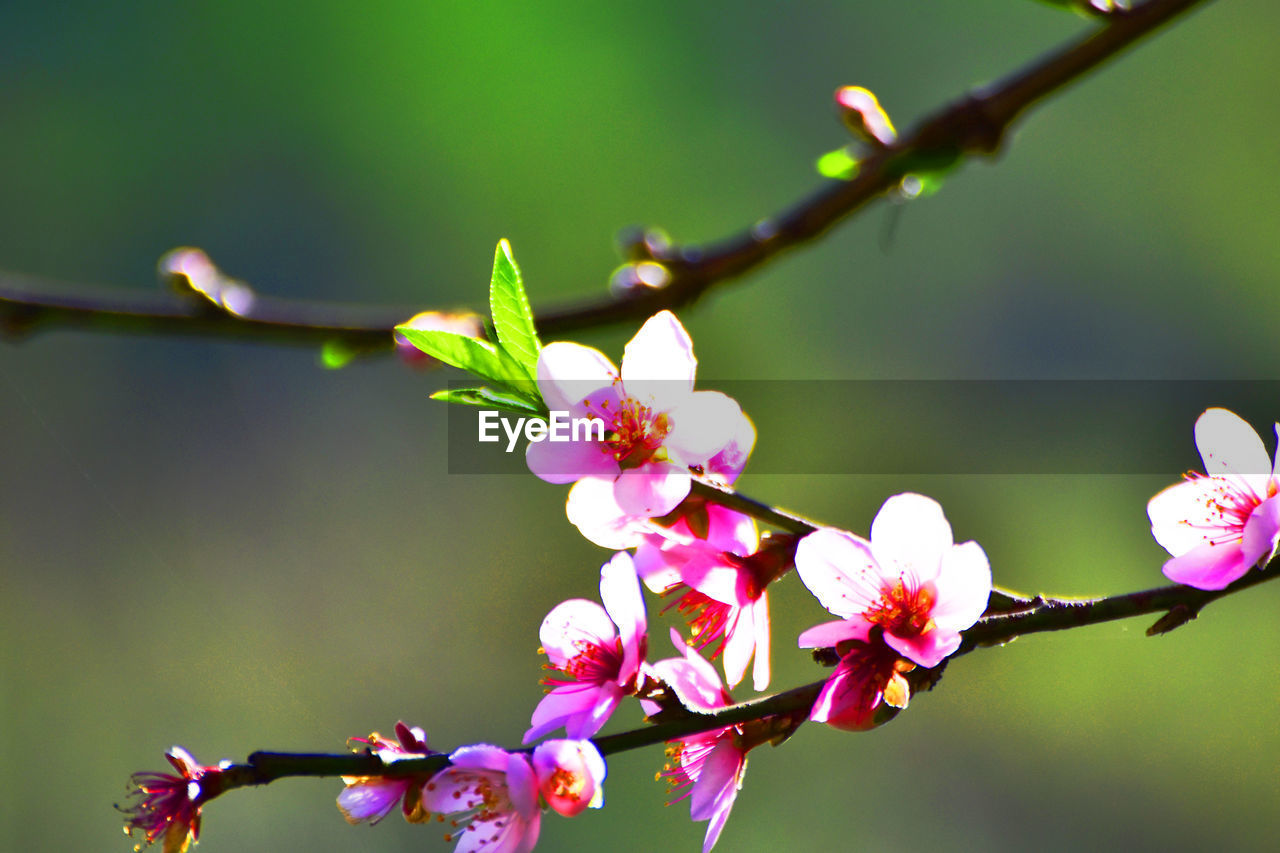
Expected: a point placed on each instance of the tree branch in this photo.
(1046, 614)
(974, 124)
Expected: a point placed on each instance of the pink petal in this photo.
(717, 787)
(571, 704)
(652, 489)
(594, 511)
(620, 592)
(761, 672)
(1185, 515)
(656, 568)
(1229, 446)
(842, 700)
(693, 680)
(927, 649)
(1209, 566)
(371, 801)
(726, 465)
(828, 634)
(522, 786)
(572, 626)
(840, 570)
(909, 536)
(963, 587)
(730, 530)
(568, 373)
(1262, 532)
(739, 646)
(565, 461)
(702, 426)
(658, 364)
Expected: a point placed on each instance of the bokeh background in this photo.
(223, 545)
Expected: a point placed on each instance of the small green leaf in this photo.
(838, 165)
(336, 354)
(466, 353)
(512, 316)
(488, 398)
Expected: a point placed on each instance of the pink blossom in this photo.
(708, 767)
(868, 677)
(910, 580)
(372, 798)
(1219, 524)
(659, 431)
(169, 805)
(598, 651)
(494, 794)
(722, 593)
(570, 775)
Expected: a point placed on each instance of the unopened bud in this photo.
(864, 117)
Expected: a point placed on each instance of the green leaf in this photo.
(466, 353)
(838, 165)
(512, 316)
(488, 398)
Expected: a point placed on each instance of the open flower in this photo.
(372, 798)
(494, 795)
(570, 775)
(598, 651)
(722, 595)
(910, 580)
(169, 805)
(706, 768)
(659, 432)
(1219, 524)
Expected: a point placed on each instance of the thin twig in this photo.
(1050, 614)
(973, 125)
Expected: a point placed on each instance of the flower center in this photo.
(636, 432)
(563, 783)
(1230, 503)
(903, 611)
(708, 620)
(594, 664)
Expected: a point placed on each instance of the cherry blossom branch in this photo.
(973, 125)
(1180, 604)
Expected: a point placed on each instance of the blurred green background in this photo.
(222, 545)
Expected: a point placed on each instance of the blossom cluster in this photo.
(902, 596)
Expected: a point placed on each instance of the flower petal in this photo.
(658, 364)
(573, 626)
(652, 489)
(702, 426)
(840, 570)
(620, 592)
(963, 587)
(1229, 446)
(571, 704)
(565, 461)
(828, 634)
(1262, 531)
(909, 536)
(569, 372)
(1187, 514)
(717, 786)
(761, 672)
(1209, 566)
(927, 649)
(593, 509)
(371, 800)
